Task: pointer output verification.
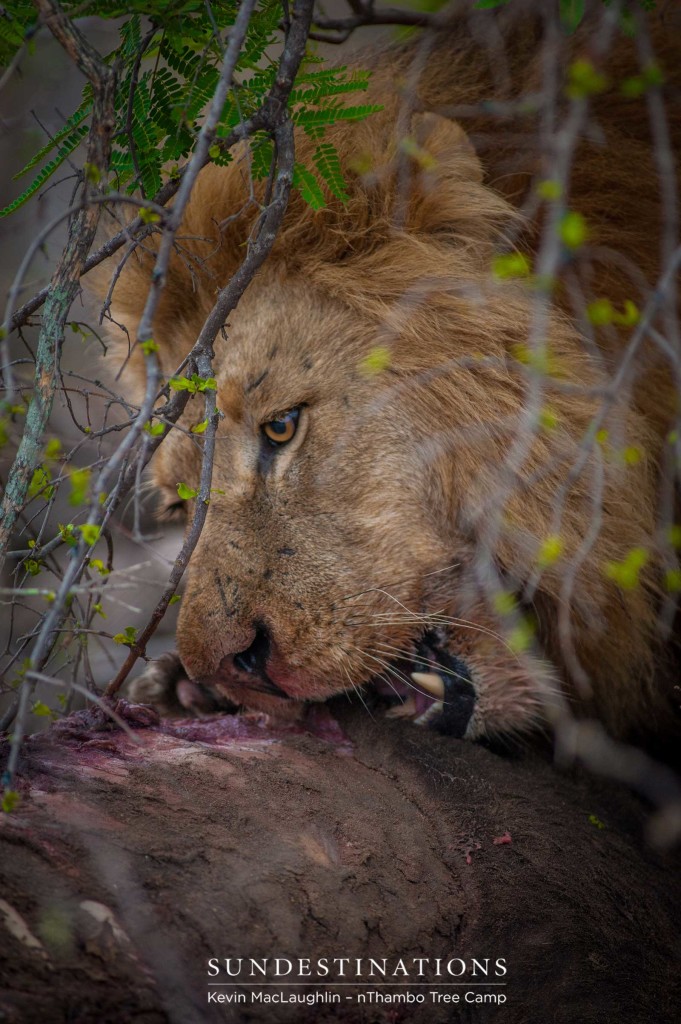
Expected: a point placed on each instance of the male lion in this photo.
(427, 473)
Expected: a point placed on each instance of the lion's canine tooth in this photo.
(431, 682)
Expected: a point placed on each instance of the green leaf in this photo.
(53, 448)
(632, 455)
(262, 151)
(92, 173)
(67, 532)
(311, 119)
(90, 533)
(185, 492)
(629, 317)
(73, 122)
(571, 14)
(327, 162)
(550, 550)
(584, 80)
(672, 581)
(193, 384)
(10, 801)
(573, 230)
(504, 602)
(148, 216)
(309, 187)
(520, 636)
(127, 637)
(377, 361)
(40, 485)
(674, 536)
(154, 429)
(548, 419)
(325, 84)
(80, 485)
(549, 189)
(627, 572)
(48, 170)
(512, 264)
(600, 312)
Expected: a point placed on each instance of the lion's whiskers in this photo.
(395, 652)
(399, 583)
(357, 689)
(141, 495)
(428, 621)
(386, 667)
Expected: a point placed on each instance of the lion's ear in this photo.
(442, 148)
(419, 210)
(444, 186)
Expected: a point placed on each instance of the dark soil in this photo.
(132, 864)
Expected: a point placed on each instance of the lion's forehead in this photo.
(283, 327)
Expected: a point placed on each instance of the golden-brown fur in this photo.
(371, 523)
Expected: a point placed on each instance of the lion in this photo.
(401, 495)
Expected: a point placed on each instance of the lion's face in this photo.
(315, 555)
(421, 494)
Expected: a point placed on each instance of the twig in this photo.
(338, 30)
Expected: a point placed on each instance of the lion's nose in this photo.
(254, 659)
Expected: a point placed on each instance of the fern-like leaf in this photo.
(320, 118)
(176, 77)
(327, 75)
(76, 118)
(327, 162)
(48, 170)
(308, 186)
(14, 25)
(37, 183)
(261, 158)
(320, 91)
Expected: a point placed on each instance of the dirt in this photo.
(132, 859)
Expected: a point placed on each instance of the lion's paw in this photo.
(164, 684)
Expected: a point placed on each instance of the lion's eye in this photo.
(172, 511)
(283, 429)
